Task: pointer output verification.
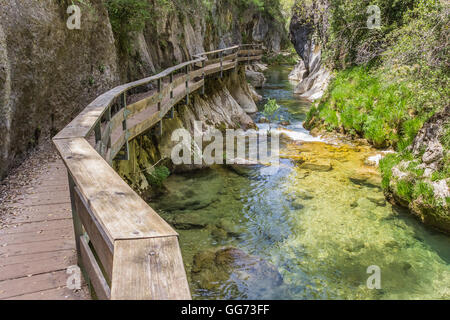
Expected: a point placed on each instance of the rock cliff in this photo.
(49, 73)
(307, 29)
(224, 105)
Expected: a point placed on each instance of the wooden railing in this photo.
(125, 249)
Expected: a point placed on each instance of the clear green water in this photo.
(306, 232)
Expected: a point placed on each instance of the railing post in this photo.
(124, 127)
(159, 94)
(171, 86)
(171, 93)
(187, 84)
(77, 226)
(98, 136)
(203, 76)
(221, 64)
(108, 120)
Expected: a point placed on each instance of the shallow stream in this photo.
(308, 231)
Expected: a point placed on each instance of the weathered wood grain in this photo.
(149, 269)
(101, 288)
(103, 245)
(119, 210)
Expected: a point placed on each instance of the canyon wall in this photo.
(49, 73)
(223, 106)
(308, 34)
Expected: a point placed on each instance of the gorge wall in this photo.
(308, 34)
(225, 105)
(49, 73)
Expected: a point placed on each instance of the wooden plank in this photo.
(60, 293)
(37, 263)
(251, 58)
(179, 81)
(37, 226)
(116, 120)
(252, 52)
(224, 58)
(119, 210)
(27, 217)
(103, 245)
(36, 247)
(36, 283)
(101, 288)
(149, 269)
(36, 236)
(143, 104)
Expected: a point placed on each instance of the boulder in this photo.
(298, 72)
(232, 269)
(256, 79)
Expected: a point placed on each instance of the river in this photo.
(311, 230)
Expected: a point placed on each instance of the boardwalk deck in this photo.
(36, 235)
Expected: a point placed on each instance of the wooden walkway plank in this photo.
(42, 263)
(33, 284)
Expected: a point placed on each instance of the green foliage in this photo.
(127, 16)
(158, 175)
(405, 189)
(270, 110)
(360, 102)
(290, 57)
(445, 138)
(425, 190)
(386, 165)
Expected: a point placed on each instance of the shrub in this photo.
(157, 176)
(270, 111)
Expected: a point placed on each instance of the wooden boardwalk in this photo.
(36, 235)
(37, 242)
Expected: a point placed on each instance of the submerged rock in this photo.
(235, 270)
(187, 221)
(323, 166)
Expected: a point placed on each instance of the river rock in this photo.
(319, 165)
(298, 72)
(428, 149)
(263, 120)
(235, 269)
(256, 79)
(187, 221)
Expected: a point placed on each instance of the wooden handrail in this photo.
(125, 249)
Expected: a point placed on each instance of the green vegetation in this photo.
(388, 82)
(157, 176)
(127, 16)
(270, 110)
(363, 104)
(288, 57)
